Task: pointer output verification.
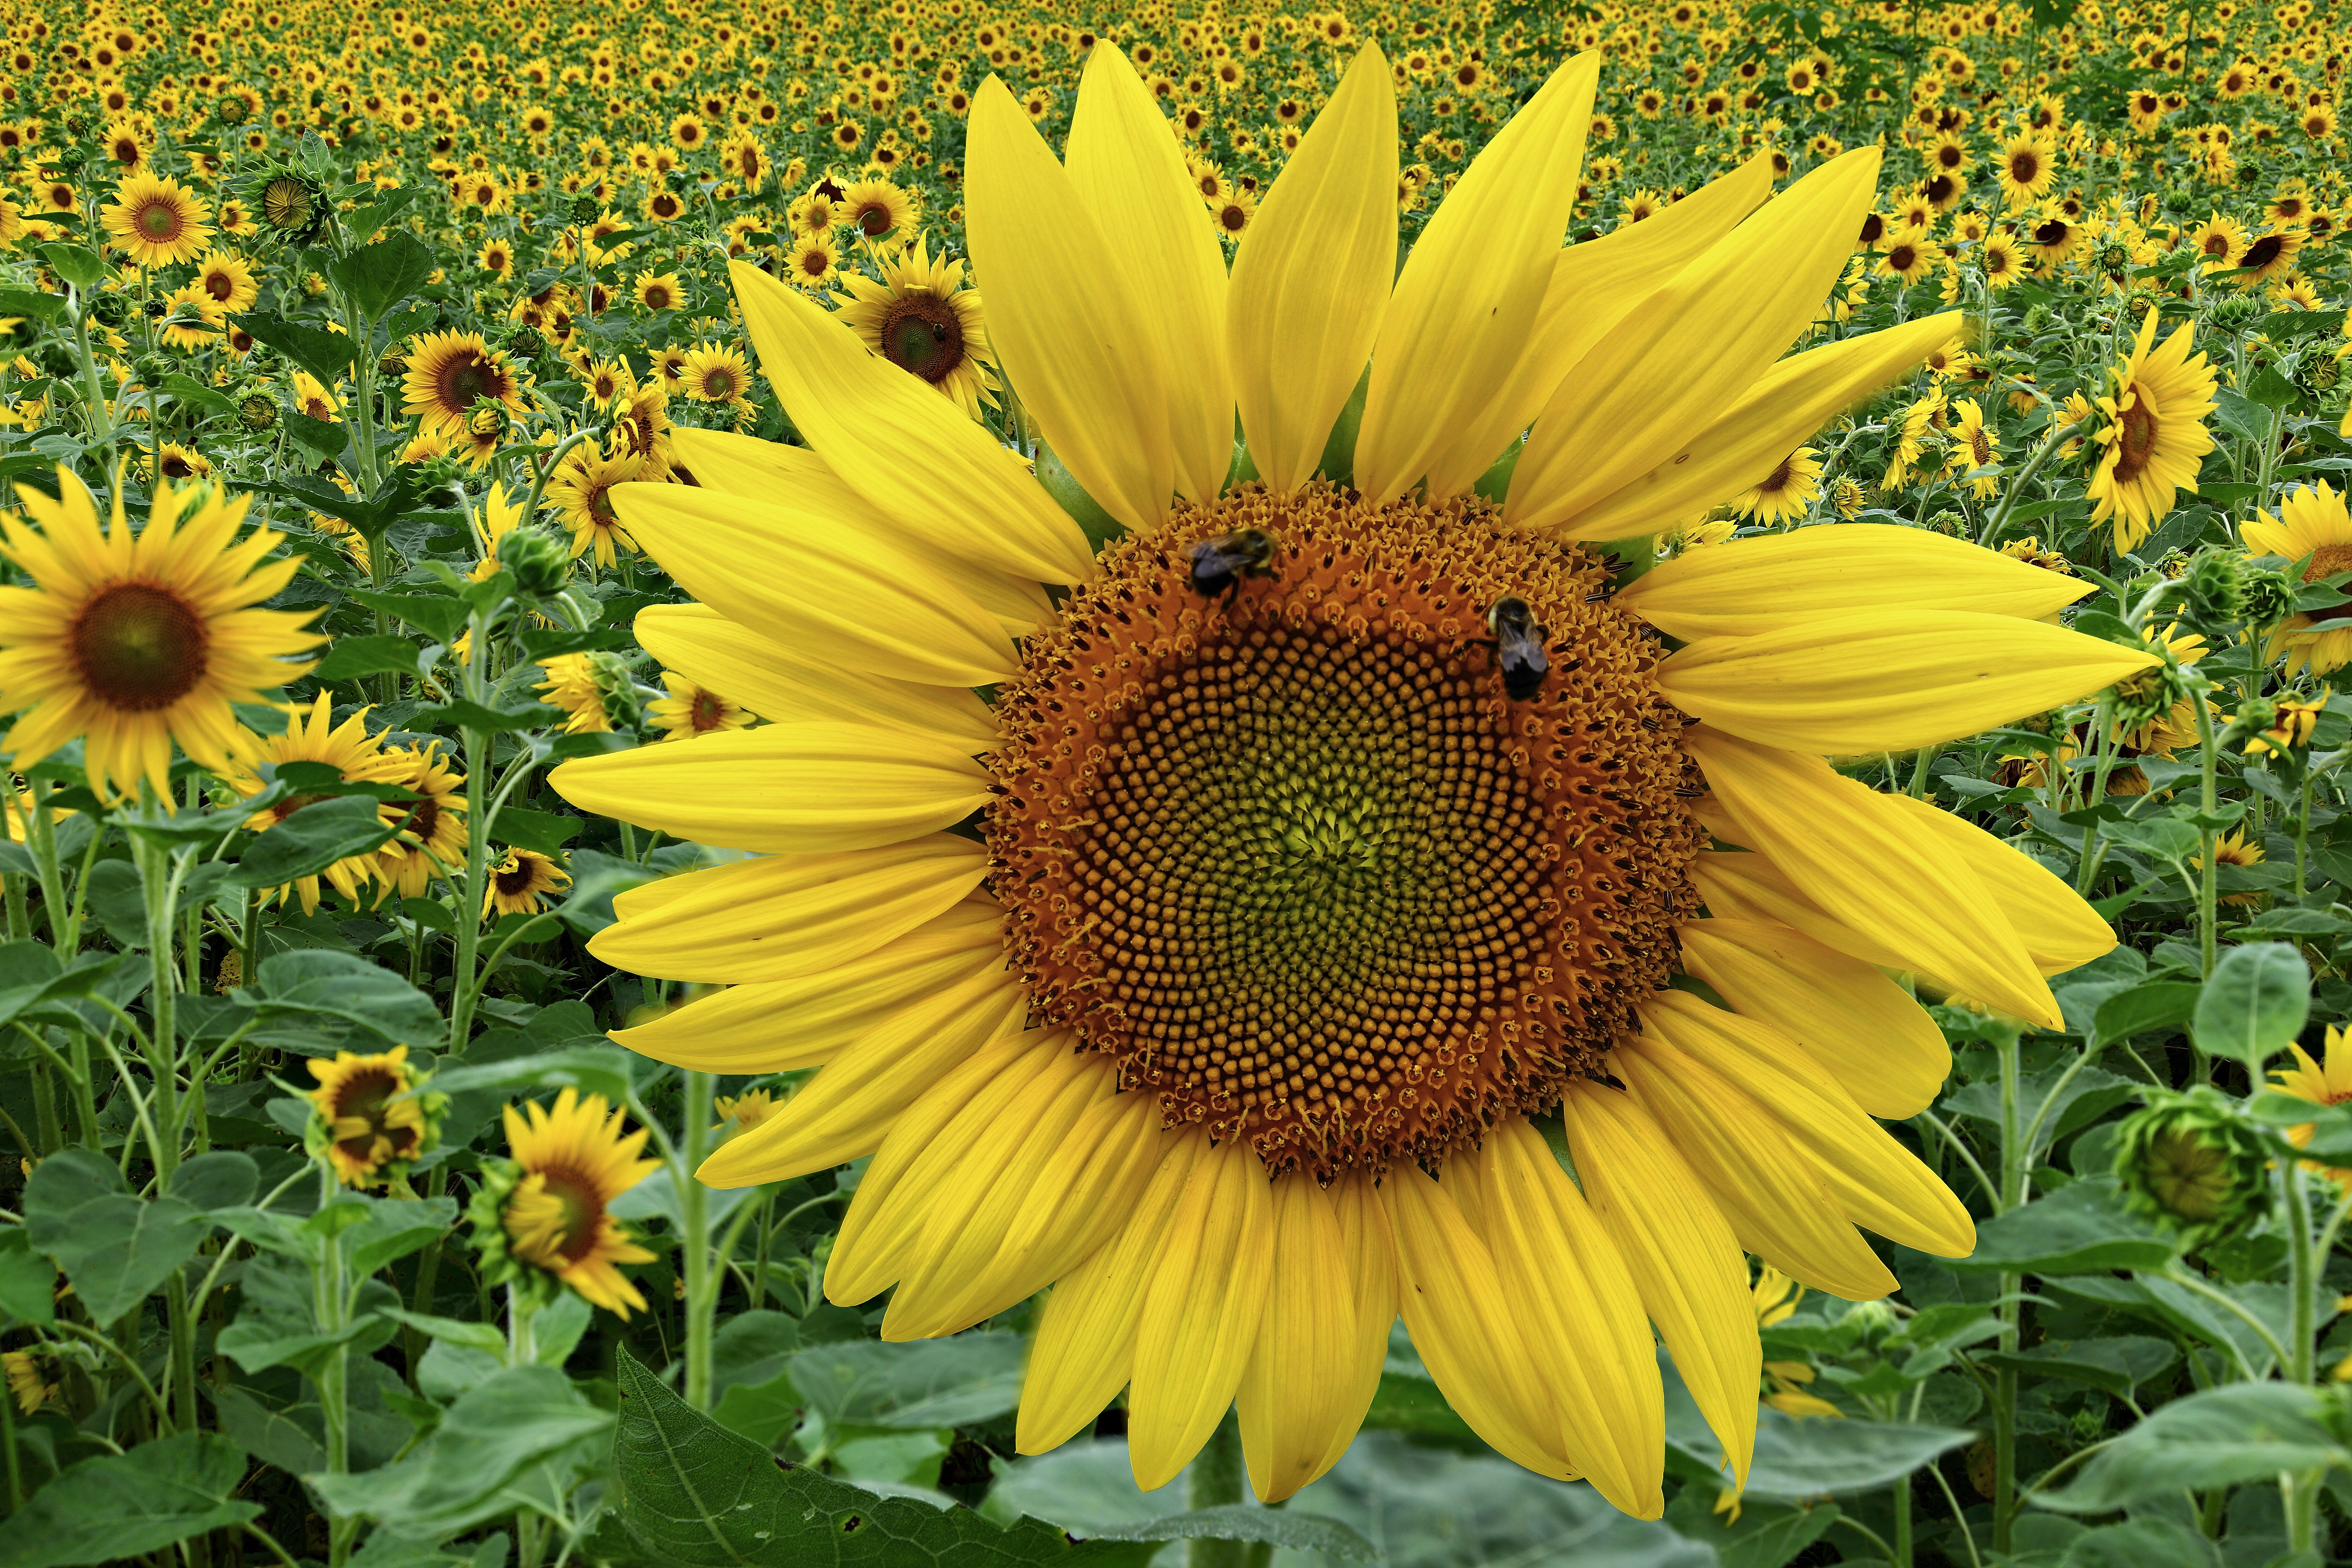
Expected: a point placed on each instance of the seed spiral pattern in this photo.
(1295, 858)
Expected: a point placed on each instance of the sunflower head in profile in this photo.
(367, 1118)
(2312, 524)
(2151, 438)
(135, 643)
(542, 1216)
(1788, 492)
(357, 757)
(520, 884)
(450, 373)
(1335, 830)
(156, 222)
(923, 319)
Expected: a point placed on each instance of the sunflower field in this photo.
(936, 784)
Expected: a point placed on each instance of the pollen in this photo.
(1292, 854)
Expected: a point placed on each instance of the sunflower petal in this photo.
(1469, 295)
(1083, 355)
(1775, 581)
(1888, 680)
(1294, 1400)
(2060, 931)
(1371, 1267)
(784, 787)
(1310, 281)
(1736, 309)
(912, 454)
(1130, 173)
(1750, 888)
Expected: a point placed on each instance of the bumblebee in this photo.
(1519, 640)
(1219, 565)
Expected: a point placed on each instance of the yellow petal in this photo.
(1877, 1183)
(1679, 1250)
(1310, 282)
(1578, 1315)
(781, 1025)
(1201, 1312)
(847, 595)
(1868, 865)
(784, 786)
(2060, 931)
(1765, 422)
(849, 1108)
(787, 915)
(1083, 355)
(1086, 1336)
(1750, 888)
(1467, 301)
(1295, 1400)
(1463, 1326)
(1867, 1033)
(1774, 1196)
(1129, 172)
(785, 685)
(1371, 1267)
(911, 453)
(746, 465)
(1670, 365)
(1595, 282)
(1888, 680)
(1775, 580)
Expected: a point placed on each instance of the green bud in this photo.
(257, 412)
(2037, 321)
(2213, 591)
(2190, 1163)
(291, 202)
(488, 417)
(230, 109)
(2234, 313)
(2269, 595)
(618, 688)
(538, 560)
(392, 366)
(526, 342)
(2319, 374)
(584, 208)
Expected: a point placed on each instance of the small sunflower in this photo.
(877, 208)
(431, 825)
(718, 374)
(812, 261)
(157, 222)
(29, 1376)
(572, 685)
(2312, 522)
(133, 643)
(580, 493)
(368, 1121)
(1788, 492)
(2026, 169)
(519, 882)
(658, 291)
(921, 317)
(192, 319)
(227, 278)
(448, 373)
(691, 710)
(2154, 435)
(543, 1215)
(356, 756)
(2325, 1082)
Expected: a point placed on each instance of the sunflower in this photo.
(812, 261)
(2311, 522)
(1215, 1143)
(430, 825)
(368, 1121)
(1788, 492)
(717, 373)
(2329, 1084)
(28, 1374)
(2026, 169)
(133, 643)
(227, 278)
(2002, 260)
(312, 398)
(641, 428)
(2219, 241)
(2267, 257)
(518, 883)
(356, 756)
(1910, 256)
(922, 318)
(580, 493)
(2154, 436)
(544, 1214)
(691, 710)
(157, 222)
(496, 258)
(180, 464)
(658, 291)
(192, 318)
(877, 208)
(572, 685)
(448, 373)
(1970, 445)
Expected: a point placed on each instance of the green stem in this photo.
(2034, 465)
(694, 1210)
(2013, 1192)
(2208, 800)
(2300, 1494)
(157, 885)
(1216, 1482)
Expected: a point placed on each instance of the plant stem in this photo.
(694, 1209)
(2014, 1169)
(2041, 455)
(2299, 1494)
(2207, 801)
(1216, 1482)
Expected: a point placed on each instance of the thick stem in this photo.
(2300, 1494)
(157, 884)
(2013, 1171)
(2041, 455)
(694, 1209)
(1216, 1482)
(2208, 800)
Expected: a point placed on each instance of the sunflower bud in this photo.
(2234, 314)
(537, 559)
(2270, 595)
(230, 109)
(2213, 591)
(2318, 375)
(487, 418)
(393, 365)
(2037, 321)
(292, 204)
(584, 208)
(618, 688)
(2187, 1162)
(257, 412)
(525, 342)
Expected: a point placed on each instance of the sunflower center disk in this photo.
(923, 334)
(138, 647)
(1299, 861)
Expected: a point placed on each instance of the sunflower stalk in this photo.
(2015, 1168)
(694, 1210)
(2017, 488)
(2208, 879)
(2300, 1493)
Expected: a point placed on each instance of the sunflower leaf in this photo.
(379, 275)
(312, 840)
(326, 355)
(121, 1505)
(2244, 1432)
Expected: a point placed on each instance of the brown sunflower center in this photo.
(1290, 851)
(2263, 251)
(158, 220)
(2327, 560)
(138, 647)
(923, 334)
(2023, 167)
(708, 712)
(470, 374)
(518, 879)
(583, 1205)
(2139, 427)
(364, 1098)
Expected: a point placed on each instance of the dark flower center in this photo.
(138, 647)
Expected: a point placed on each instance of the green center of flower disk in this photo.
(923, 334)
(1297, 858)
(158, 221)
(137, 646)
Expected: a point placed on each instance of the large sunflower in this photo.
(1299, 902)
(134, 642)
(923, 320)
(2312, 522)
(2153, 431)
(448, 373)
(354, 754)
(156, 223)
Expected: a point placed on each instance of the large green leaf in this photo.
(1236, 1521)
(2079, 1229)
(2118, 1364)
(277, 1322)
(117, 1506)
(312, 839)
(2241, 1432)
(116, 1248)
(691, 1494)
(2255, 1003)
(29, 1281)
(956, 1381)
(313, 1001)
(379, 275)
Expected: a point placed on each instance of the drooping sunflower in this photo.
(544, 1214)
(157, 222)
(518, 883)
(922, 318)
(2153, 433)
(356, 756)
(431, 826)
(133, 643)
(1307, 886)
(448, 373)
(572, 685)
(368, 1122)
(2313, 522)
